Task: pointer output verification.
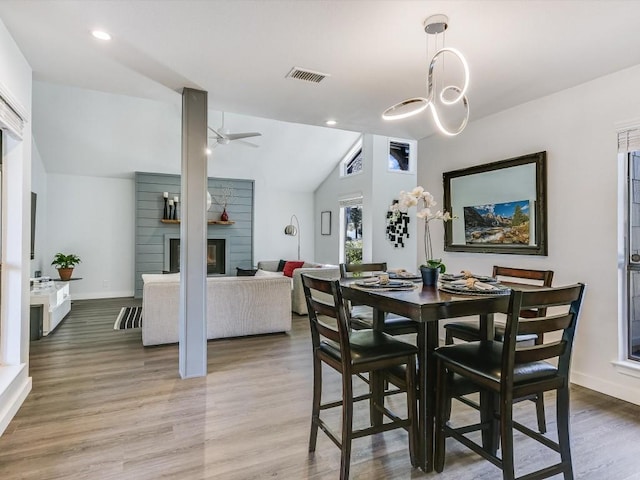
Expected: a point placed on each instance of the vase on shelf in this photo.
(224, 216)
(175, 211)
(429, 275)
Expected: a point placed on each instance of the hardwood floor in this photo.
(105, 407)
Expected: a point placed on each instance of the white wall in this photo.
(15, 384)
(378, 187)
(577, 128)
(94, 218)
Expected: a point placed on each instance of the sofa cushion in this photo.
(289, 267)
(267, 273)
(281, 265)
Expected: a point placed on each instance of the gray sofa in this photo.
(298, 303)
(236, 306)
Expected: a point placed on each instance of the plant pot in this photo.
(429, 276)
(65, 274)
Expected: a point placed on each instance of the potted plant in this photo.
(424, 201)
(64, 264)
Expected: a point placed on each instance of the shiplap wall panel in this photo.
(150, 232)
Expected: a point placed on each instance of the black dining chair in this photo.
(469, 331)
(350, 353)
(507, 370)
(362, 315)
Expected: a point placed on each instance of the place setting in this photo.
(468, 283)
(387, 282)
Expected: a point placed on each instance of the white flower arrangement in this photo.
(424, 202)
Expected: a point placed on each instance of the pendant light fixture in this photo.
(448, 95)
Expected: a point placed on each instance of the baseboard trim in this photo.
(622, 392)
(16, 387)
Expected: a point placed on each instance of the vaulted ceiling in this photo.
(374, 51)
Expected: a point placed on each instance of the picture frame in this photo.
(498, 207)
(325, 223)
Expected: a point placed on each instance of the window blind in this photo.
(351, 202)
(629, 140)
(12, 115)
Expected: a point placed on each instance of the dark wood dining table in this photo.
(427, 306)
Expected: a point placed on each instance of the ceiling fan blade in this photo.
(218, 134)
(237, 136)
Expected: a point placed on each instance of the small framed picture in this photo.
(325, 223)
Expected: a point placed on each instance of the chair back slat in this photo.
(567, 298)
(544, 276)
(348, 269)
(337, 311)
(537, 353)
(544, 324)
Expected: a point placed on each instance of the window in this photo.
(352, 162)
(351, 230)
(633, 256)
(399, 156)
(629, 149)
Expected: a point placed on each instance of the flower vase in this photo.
(429, 275)
(224, 216)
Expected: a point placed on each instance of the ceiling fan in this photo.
(223, 136)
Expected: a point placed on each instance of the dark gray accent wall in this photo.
(151, 232)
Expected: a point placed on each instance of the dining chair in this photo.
(362, 315)
(469, 331)
(351, 352)
(507, 370)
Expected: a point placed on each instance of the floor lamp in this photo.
(294, 231)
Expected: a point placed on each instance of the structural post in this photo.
(193, 236)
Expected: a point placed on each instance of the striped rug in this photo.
(129, 317)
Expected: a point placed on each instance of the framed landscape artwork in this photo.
(498, 207)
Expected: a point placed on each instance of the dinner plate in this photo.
(391, 284)
(464, 290)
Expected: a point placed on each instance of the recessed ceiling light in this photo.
(331, 123)
(207, 151)
(101, 35)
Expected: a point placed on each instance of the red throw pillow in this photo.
(289, 267)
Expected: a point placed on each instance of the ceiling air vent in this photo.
(306, 75)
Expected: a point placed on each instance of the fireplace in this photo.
(216, 256)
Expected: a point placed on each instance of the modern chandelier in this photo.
(448, 95)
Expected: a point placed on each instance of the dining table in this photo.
(428, 306)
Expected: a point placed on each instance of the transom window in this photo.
(352, 162)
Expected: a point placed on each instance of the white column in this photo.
(193, 236)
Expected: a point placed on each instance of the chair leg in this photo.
(317, 396)
(506, 437)
(412, 411)
(443, 411)
(542, 422)
(347, 425)
(562, 412)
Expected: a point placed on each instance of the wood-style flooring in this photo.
(104, 407)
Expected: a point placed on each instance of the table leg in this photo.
(427, 343)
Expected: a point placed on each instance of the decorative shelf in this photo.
(210, 222)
